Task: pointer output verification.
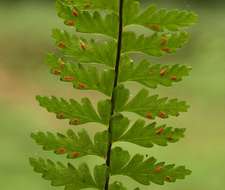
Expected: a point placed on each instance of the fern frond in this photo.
(145, 171)
(155, 45)
(80, 50)
(74, 111)
(97, 57)
(152, 75)
(69, 176)
(148, 106)
(83, 77)
(89, 22)
(72, 144)
(144, 135)
(163, 19)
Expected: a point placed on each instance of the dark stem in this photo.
(119, 43)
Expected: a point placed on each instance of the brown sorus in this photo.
(60, 150)
(158, 169)
(166, 49)
(160, 131)
(149, 115)
(56, 72)
(82, 86)
(61, 45)
(75, 12)
(74, 121)
(70, 22)
(155, 27)
(162, 115)
(174, 78)
(163, 72)
(75, 154)
(68, 78)
(60, 116)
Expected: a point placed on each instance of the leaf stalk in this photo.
(113, 100)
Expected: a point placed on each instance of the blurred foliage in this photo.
(192, 2)
(205, 3)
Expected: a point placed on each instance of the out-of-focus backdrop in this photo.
(25, 27)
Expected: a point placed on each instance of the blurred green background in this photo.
(25, 39)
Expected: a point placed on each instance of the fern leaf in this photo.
(104, 108)
(148, 106)
(70, 177)
(99, 175)
(80, 50)
(83, 77)
(155, 45)
(87, 22)
(144, 135)
(162, 19)
(131, 10)
(145, 171)
(96, 23)
(152, 75)
(97, 57)
(73, 145)
(77, 113)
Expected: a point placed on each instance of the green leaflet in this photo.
(99, 174)
(121, 96)
(120, 124)
(163, 19)
(149, 135)
(157, 44)
(151, 75)
(131, 10)
(83, 77)
(72, 144)
(95, 23)
(77, 113)
(145, 171)
(149, 106)
(70, 177)
(79, 50)
(144, 135)
(104, 108)
(89, 22)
